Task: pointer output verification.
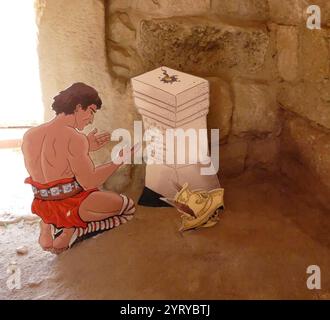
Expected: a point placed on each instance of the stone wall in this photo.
(230, 43)
(269, 74)
(304, 96)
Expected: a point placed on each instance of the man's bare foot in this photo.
(45, 238)
(61, 243)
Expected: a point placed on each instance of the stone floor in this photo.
(261, 248)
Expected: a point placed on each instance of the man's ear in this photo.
(77, 107)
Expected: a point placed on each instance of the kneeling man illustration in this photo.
(65, 181)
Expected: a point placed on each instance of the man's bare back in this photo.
(45, 150)
(55, 151)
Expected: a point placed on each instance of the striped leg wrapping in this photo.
(97, 227)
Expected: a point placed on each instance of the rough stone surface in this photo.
(203, 47)
(65, 58)
(310, 146)
(255, 111)
(121, 29)
(294, 12)
(314, 54)
(263, 153)
(22, 250)
(242, 9)
(163, 7)
(232, 157)
(288, 50)
(221, 106)
(287, 12)
(310, 100)
(125, 62)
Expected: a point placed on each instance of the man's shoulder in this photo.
(74, 134)
(33, 132)
(77, 141)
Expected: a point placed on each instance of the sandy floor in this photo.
(261, 248)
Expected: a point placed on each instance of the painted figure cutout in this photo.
(64, 179)
(173, 101)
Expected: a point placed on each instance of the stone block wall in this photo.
(230, 43)
(304, 96)
(268, 73)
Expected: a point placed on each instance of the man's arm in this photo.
(82, 165)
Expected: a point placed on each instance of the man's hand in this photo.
(97, 141)
(126, 152)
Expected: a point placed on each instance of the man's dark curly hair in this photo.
(78, 93)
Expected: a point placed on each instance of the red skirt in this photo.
(60, 213)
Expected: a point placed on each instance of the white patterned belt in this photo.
(57, 190)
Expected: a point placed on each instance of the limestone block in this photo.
(288, 46)
(197, 46)
(242, 9)
(310, 100)
(310, 145)
(121, 71)
(121, 29)
(287, 12)
(72, 47)
(314, 55)
(124, 61)
(294, 12)
(163, 7)
(221, 106)
(255, 110)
